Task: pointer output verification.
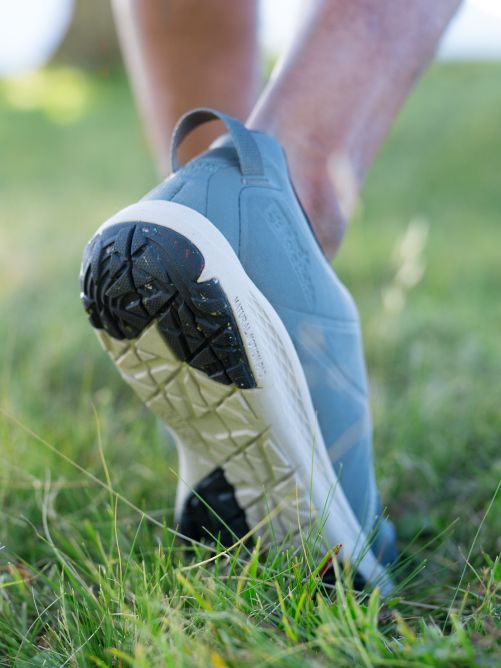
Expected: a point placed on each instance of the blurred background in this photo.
(422, 258)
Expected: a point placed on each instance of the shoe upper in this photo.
(255, 207)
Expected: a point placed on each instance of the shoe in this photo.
(218, 307)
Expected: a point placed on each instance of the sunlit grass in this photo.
(62, 93)
(90, 571)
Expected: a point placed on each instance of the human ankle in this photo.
(321, 202)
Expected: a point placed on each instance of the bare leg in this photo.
(186, 53)
(335, 94)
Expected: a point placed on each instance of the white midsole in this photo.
(282, 399)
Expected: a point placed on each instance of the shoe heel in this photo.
(134, 273)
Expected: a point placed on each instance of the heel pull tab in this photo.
(249, 156)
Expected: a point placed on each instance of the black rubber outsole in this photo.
(212, 512)
(136, 273)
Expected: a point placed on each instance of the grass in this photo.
(90, 574)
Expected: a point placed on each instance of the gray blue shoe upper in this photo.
(243, 187)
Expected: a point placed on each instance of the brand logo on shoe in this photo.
(246, 331)
(202, 166)
(298, 255)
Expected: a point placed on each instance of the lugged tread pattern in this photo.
(135, 273)
(218, 425)
(212, 511)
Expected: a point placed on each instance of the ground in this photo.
(89, 571)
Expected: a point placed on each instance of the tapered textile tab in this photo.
(249, 156)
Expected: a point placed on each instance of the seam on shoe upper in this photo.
(176, 193)
(336, 322)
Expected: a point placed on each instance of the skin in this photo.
(330, 102)
(182, 54)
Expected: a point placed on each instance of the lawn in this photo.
(90, 573)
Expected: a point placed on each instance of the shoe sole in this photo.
(206, 352)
